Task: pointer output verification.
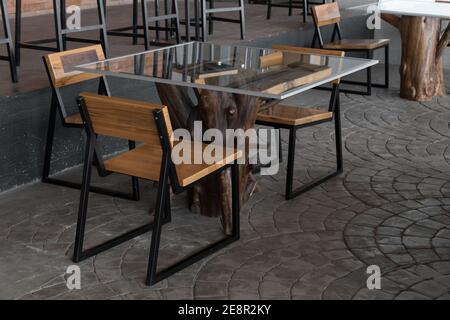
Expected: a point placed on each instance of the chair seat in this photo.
(145, 162)
(294, 116)
(74, 119)
(356, 44)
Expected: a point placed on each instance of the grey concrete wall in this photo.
(23, 127)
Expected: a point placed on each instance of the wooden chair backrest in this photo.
(124, 118)
(60, 65)
(311, 51)
(326, 14)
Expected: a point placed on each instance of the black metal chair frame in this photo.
(291, 4)
(369, 55)
(135, 28)
(162, 210)
(7, 40)
(62, 33)
(204, 15)
(334, 107)
(57, 106)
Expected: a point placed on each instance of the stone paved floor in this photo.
(390, 207)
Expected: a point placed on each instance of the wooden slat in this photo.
(326, 14)
(304, 50)
(145, 161)
(60, 65)
(74, 119)
(123, 118)
(311, 51)
(287, 115)
(357, 44)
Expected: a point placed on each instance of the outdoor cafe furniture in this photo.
(205, 13)
(62, 31)
(423, 45)
(59, 67)
(294, 118)
(7, 40)
(231, 87)
(162, 18)
(150, 125)
(304, 4)
(329, 15)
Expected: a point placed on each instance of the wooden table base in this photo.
(222, 111)
(423, 44)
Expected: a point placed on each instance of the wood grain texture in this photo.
(215, 110)
(145, 162)
(294, 116)
(356, 44)
(326, 14)
(421, 67)
(60, 65)
(123, 118)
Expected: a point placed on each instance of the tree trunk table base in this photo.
(421, 68)
(222, 111)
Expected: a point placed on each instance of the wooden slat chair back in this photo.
(61, 73)
(123, 118)
(326, 14)
(293, 118)
(150, 124)
(60, 65)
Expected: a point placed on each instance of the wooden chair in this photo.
(294, 118)
(7, 40)
(62, 32)
(304, 4)
(60, 72)
(149, 124)
(328, 14)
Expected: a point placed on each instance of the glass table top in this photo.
(267, 73)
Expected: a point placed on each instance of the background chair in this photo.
(209, 14)
(163, 11)
(7, 40)
(304, 4)
(60, 71)
(294, 118)
(62, 33)
(149, 124)
(328, 14)
(171, 20)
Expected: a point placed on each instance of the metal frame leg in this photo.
(269, 9)
(305, 10)
(369, 55)
(203, 9)
(9, 44)
(79, 254)
(50, 138)
(18, 30)
(290, 7)
(242, 19)
(386, 66)
(210, 18)
(152, 275)
(292, 193)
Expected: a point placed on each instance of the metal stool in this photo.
(209, 14)
(8, 41)
(171, 20)
(61, 31)
(304, 4)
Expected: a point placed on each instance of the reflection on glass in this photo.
(246, 70)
